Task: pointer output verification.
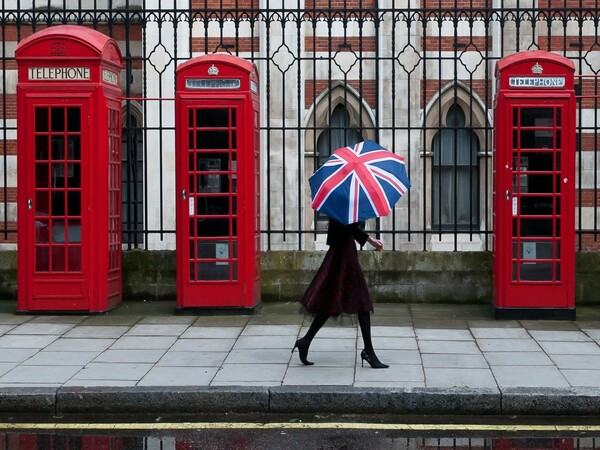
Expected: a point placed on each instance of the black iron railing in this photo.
(396, 72)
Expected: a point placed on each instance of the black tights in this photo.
(364, 320)
(315, 326)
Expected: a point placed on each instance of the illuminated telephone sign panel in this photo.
(218, 184)
(69, 171)
(534, 187)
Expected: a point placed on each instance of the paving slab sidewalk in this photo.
(444, 359)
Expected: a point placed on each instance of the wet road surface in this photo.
(301, 432)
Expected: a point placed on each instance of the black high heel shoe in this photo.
(372, 360)
(302, 351)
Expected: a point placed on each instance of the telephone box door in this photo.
(538, 202)
(69, 170)
(56, 216)
(210, 210)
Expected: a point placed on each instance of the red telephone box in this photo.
(69, 171)
(218, 179)
(534, 187)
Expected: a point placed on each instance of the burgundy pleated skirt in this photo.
(339, 286)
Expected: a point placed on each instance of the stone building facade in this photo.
(415, 75)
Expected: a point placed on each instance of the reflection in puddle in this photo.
(247, 439)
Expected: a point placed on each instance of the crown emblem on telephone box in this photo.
(212, 70)
(537, 69)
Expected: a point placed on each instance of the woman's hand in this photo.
(376, 243)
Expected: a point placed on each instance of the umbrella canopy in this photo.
(359, 183)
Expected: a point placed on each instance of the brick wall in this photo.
(217, 4)
(367, 88)
(225, 44)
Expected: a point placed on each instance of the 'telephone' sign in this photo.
(110, 77)
(536, 82)
(59, 73)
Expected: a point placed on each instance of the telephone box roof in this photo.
(87, 43)
(222, 58)
(534, 56)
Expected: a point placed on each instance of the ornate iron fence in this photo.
(414, 78)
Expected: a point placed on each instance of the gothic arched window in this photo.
(455, 175)
(339, 134)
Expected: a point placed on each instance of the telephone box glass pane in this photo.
(74, 257)
(58, 259)
(212, 180)
(540, 184)
(536, 194)
(534, 271)
(530, 139)
(41, 120)
(212, 272)
(58, 203)
(234, 175)
(57, 119)
(192, 249)
(41, 231)
(533, 117)
(42, 178)
(74, 148)
(213, 117)
(41, 148)
(74, 203)
(537, 127)
(42, 203)
(536, 206)
(213, 227)
(64, 232)
(534, 257)
(210, 140)
(73, 119)
(540, 161)
(42, 258)
(58, 148)
(58, 195)
(536, 227)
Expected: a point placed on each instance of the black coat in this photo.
(338, 233)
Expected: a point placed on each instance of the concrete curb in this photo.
(28, 400)
(185, 400)
(348, 400)
(299, 400)
(551, 401)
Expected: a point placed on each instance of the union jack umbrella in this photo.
(359, 183)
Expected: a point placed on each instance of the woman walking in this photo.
(339, 287)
